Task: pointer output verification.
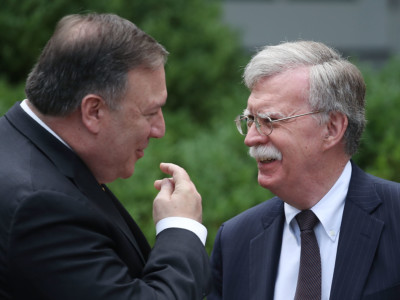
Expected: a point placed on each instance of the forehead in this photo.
(284, 92)
(147, 87)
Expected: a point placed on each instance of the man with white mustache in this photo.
(332, 231)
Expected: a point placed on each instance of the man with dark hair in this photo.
(94, 100)
(332, 231)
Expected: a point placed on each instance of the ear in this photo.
(335, 129)
(93, 112)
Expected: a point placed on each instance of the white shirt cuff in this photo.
(184, 223)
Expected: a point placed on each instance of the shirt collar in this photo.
(24, 105)
(329, 209)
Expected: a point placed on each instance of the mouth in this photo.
(140, 153)
(267, 160)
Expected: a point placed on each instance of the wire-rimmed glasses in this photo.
(264, 124)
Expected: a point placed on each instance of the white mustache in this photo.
(265, 152)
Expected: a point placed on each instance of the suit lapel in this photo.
(112, 209)
(133, 227)
(359, 237)
(72, 167)
(264, 254)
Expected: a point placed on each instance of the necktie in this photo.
(309, 281)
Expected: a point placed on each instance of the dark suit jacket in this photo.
(247, 248)
(63, 237)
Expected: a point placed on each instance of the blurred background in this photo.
(210, 43)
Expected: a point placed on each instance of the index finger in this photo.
(177, 172)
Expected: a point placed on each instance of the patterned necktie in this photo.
(309, 281)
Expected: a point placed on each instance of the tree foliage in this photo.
(380, 147)
(26, 27)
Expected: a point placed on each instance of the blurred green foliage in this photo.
(379, 152)
(205, 94)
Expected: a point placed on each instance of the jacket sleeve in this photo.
(62, 248)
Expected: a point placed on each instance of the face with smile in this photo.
(288, 158)
(139, 118)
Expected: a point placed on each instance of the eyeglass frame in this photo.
(258, 126)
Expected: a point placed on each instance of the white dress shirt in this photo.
(329, 211)
(171, 222)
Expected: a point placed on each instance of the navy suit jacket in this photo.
(247, 248)
(63, 236)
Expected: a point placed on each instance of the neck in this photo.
(71, 130)
(318, 184)
(61, 126)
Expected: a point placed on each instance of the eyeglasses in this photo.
(264, 125)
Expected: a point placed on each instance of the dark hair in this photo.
(89, 54)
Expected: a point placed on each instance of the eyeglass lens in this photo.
(264, 125)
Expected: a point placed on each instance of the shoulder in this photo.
(383, 185)
(374, 195)
(31, 172)
(388, 192)
(362, 181)
(33, 186)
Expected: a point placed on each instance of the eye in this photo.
(265, 121)
(249, 120)
(269, 117)
(249, 117)
(153, 113)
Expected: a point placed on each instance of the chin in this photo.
(267, 182)
(128, 174)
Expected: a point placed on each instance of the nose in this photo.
(158, 127)
(254, 138)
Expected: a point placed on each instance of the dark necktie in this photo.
(309, 281)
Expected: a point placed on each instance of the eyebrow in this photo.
(271, 113)
(246, 112)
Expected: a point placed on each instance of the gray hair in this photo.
(90, 53)
(336, 85)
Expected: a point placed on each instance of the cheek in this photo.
(305, 141)
(139, 134)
